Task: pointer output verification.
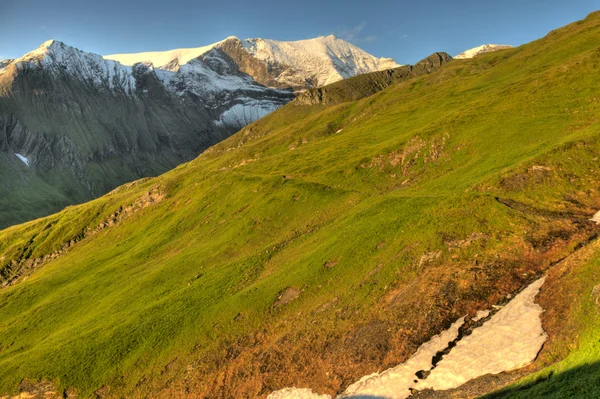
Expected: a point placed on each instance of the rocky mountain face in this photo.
(485, 48)
(74, 125)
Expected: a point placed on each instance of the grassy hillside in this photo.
(319, 244)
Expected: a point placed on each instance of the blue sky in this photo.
(404, 30)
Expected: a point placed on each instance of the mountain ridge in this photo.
(318, 61)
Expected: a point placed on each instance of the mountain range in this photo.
(74, 125)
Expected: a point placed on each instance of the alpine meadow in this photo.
(341, 235)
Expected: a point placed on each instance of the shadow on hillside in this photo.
(579, 382)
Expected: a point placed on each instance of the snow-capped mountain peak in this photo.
(312, 62)
(322, 60)
(58, 58)
(231, 82)
(485, 48)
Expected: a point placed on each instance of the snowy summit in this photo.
(485, 48)
(319, 61)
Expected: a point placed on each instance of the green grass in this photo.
(414, 167)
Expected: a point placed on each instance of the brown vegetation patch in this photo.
(416, 150)
(286, 296)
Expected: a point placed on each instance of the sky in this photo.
(404, 30)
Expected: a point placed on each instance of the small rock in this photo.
(596, 295)
(240, 316)
(286, 296)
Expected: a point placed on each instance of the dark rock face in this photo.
(361, 86)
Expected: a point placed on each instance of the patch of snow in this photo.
(4, 64)
(482, 314)
(511, 339)
(596, 218)
(243, 114)
(485, 48)
(22, 158)
(297, 393)
(397, 382)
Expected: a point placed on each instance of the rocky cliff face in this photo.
(74, 125)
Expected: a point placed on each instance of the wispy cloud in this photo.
(43, 27)
(356, 34)
(396, 34)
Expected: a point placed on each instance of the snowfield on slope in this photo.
(24, 159)
(509, 340)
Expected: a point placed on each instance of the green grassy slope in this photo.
(388, 217)
(361, 86)
(31, 195)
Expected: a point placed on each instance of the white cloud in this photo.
(355, 34)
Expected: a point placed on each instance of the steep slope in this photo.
(87, 123)
(319, 244)
(483, 49)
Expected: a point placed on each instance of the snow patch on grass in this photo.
(296, 393)
(22, 158)
(511, 339)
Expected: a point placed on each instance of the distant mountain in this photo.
(486, 48)
(74, 125)
(299, 64)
